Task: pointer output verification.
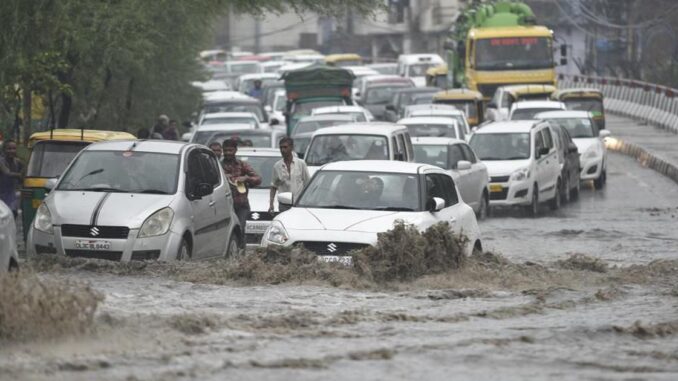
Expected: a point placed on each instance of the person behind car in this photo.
(216, 148)
(241, 176)
(256, 91)
(290, 174)
(11, 169)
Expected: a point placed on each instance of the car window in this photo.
(468, 153)
(548, 139)
(506, 100)
(210, 168)
(194, 173)
(451, 197)
(408, 146)
(538, 141)
(455, 155)
(441, 186)
(401, 147)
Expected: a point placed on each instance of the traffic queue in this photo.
(324, 151)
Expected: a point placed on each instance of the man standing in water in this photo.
(290, 174)
(11, 169)
(241, 176)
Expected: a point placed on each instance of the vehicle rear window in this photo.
(50, 158)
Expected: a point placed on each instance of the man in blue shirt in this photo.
(256, 92)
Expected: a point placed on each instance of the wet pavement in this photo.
(530, 318)
(657, 141)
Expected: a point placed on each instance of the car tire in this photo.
(533, 209)
(599, 183)
(554, 204)
(233, 249)
(484, 208)
(184, 251)
(565, 190)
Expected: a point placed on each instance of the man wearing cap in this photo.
(241, 176)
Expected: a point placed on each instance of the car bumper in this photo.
(590, 168)
(327, 242)
(164, 247)
(510, 193)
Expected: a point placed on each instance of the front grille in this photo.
(499, 179)
(499, 195)
(112, 232)
(253, 239)
(145, 255)
(261, 216)
(95, 254)
(332, 248)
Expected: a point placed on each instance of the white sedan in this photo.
(348, 203)
(9, 257)
(459, 160)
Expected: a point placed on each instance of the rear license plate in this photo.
(256, 227)
(345, 260)
(93, 245)
(496, 188)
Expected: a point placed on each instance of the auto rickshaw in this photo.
(437, 77)
(343, 60)
(50, 153)
(584, 99)
(469, 101)
(530, 92)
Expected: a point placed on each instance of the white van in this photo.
(414, 66)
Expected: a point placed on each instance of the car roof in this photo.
(258, 151)
(427, 140)
(377, 166)
(335, 109)
(325, 117)
(564, 114)
(225, 127)
(365, 128)
(537, 104)
(245, 77)
(223, 95)
(216, 115)
(155, 146)
(431, 106)
(428, 119)
(244, 99)
(509, 126)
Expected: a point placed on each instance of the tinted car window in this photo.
(455, 155)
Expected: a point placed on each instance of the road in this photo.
(517, 314)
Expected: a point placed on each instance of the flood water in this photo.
(530, 310)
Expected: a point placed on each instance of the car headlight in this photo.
(43, 220)
(157, 224)
(276, 233)
(591, 153)
(521, 174)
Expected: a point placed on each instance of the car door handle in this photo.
(212, 203)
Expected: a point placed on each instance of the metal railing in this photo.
(654, 104)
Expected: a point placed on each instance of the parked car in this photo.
(359, 114)
(139, 200)
(457, 158)
(528, 109)
(359, 141)
(9, 256)
(522, 162)
(585, 134)
(433, 126)
(347, 204)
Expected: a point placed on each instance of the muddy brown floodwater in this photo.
(588, 292)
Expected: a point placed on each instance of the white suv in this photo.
(522, 162)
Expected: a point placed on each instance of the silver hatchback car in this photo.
(139, 200)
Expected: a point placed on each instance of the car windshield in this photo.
(576, 127)
(311, 126)
(263, 166)
(50, 158)
(253, 108)
(422, 99)
(247, 85)
(300, 145)
(123, 171)
(431, 154)
(328, 148)
(508, 146)
(387, 70)
(306, 108)
(361, 190)
(425, 129)
(419, 70)
(408, 98)
(245, 139)
(381, 95)
(514, 53)
(592, 105)
(243, 68)
(357, 116)
(251, 121)
(529, 113)
(467, 107)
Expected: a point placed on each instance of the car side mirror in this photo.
(268, 108)
(51, 183)
(202, 190)
(275, 122)
(435, 204)
(604, 133)
(285, 198)
(463, 165)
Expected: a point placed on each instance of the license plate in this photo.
(256, 227)
(345, 260)
(496, 188)
(93, 245)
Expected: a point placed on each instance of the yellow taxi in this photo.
(583, 99)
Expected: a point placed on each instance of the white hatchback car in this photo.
(458, 159)
(522, 162)
(589, 141)
(347, 204)
(9, 256)
(138, 200)
(527, 110)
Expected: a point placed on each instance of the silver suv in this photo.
(138, 200)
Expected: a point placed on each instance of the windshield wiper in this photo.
(94, 172)
(395, 209)
(336, 207)
(515, 158)
(98, 189)
(153, 191)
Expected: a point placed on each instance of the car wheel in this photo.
(232, 250)
(599, 183)
(484, 209)
(555, 201)
(533, 208)
(574, 193)
(565, 190)
(184, 252)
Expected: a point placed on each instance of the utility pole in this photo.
(257, 35)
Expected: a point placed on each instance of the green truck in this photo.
(315, 86)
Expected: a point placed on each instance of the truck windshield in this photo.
(514, 53)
